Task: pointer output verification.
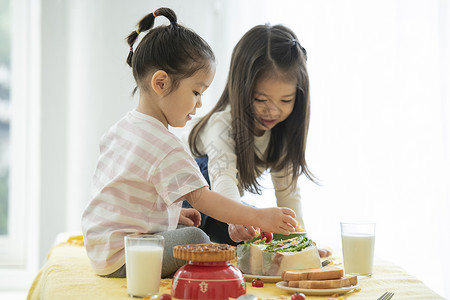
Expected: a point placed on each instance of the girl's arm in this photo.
(216, 142)
(286, 197)
(275, 219)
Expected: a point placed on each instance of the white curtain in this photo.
(379, 134)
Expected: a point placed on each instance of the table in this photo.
(67, 274)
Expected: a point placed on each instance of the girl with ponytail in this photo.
(144, 172)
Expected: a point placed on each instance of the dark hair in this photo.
(265, 52)
(175, 49)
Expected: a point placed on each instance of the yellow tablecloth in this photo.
(67, 274)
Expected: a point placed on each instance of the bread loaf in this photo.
(327, 272)
(274, 263)
(271, 259)
(324, 284)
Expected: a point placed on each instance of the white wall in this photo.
(379, 125)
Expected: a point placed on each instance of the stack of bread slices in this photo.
(328, 277)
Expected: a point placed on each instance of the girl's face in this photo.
(273, 100)
(181, 104)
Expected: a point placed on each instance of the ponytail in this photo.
(146, 23)
(175, 49)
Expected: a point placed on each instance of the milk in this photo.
(143, 264)
(358, 252)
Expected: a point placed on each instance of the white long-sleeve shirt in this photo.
(215, 140)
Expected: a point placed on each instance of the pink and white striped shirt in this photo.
(143, 172)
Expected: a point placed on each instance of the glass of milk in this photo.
(143, 260)
(358, 243)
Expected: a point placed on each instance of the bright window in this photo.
(5, 133)
(19, 143)
(17, 147)
(5, 75)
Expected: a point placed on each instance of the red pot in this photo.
(208, 280)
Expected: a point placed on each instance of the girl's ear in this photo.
(160, 82)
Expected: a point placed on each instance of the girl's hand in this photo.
(276, 219)
(239, 233)
(189, 217)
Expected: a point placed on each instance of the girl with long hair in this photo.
(259, 123)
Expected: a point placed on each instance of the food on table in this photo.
(358, 251)
(299, 228)
(249, 258)
(277, 236)
(325, 262)
(327, 277)
(205, 252)
(325, 284)
(257, 282)
(298, 296)
(328, 272)
(271, 259)
(268, 236)
(165, 297)
(324, 252)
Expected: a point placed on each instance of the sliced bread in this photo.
(327, 272)
(324, 284)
